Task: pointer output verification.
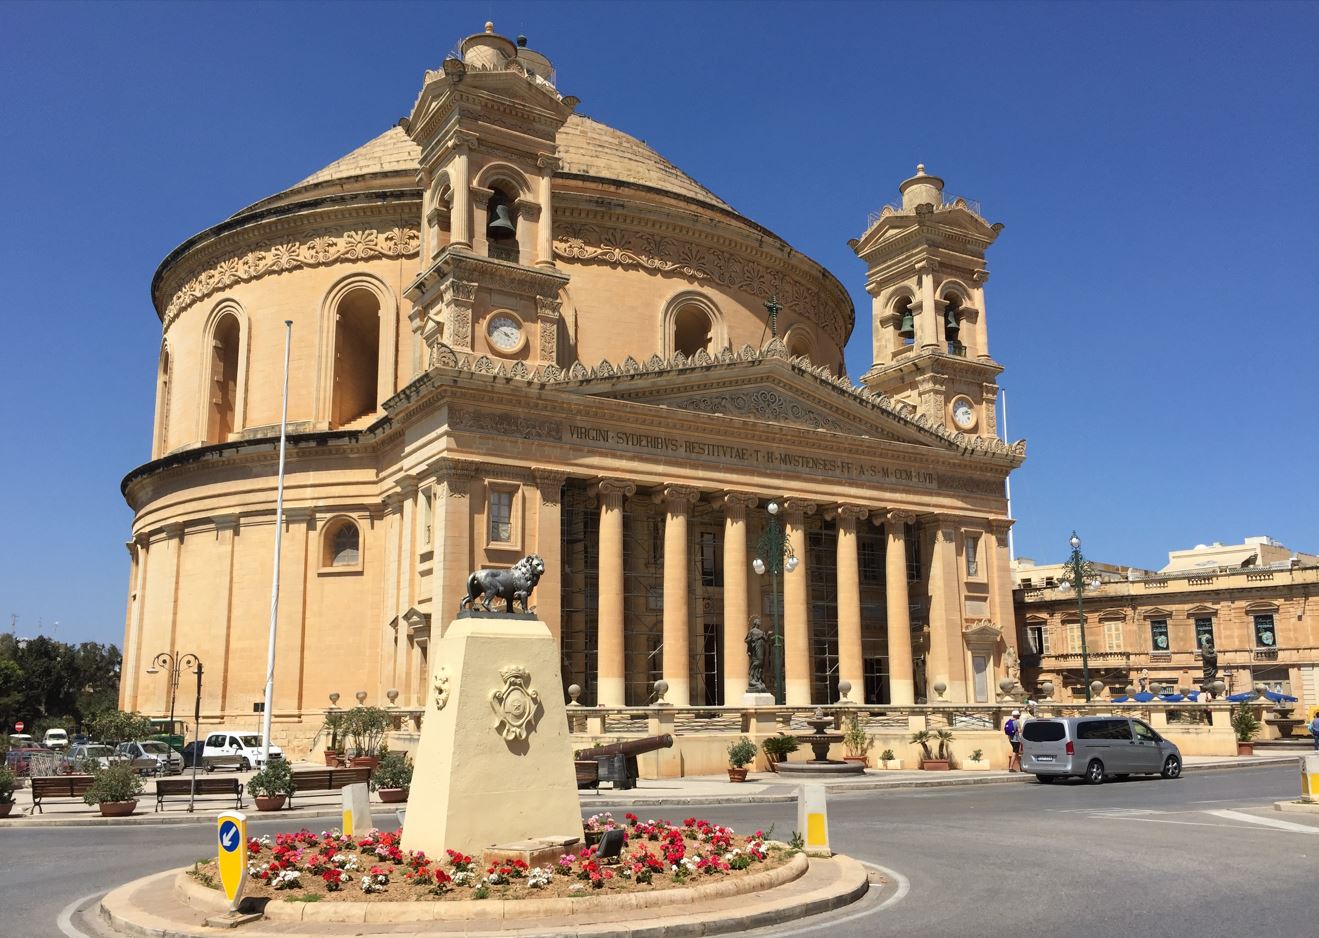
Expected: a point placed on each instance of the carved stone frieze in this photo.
(665, 254)
(517, 707)
(325, 247)
(762, 404)
(505, 425)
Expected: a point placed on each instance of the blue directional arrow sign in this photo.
(231, 838)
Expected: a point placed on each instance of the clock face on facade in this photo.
(964, 414)
(505, 332)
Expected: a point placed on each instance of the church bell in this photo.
(908, 328)
(950, 325)
(501, 227)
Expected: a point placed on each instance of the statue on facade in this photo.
(1012, 665)
(1209, 660)
(756, 641)
(512, 585)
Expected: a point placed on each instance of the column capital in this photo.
(734, 503)
(463, 141)
(393, 502)
(897, 516)
(173, 529)
(454, 474)
(678, 496)
(299, 515)
(795, 506)
(225, 522)
(849, 513)
(142, 539)
(406, 486)
(613, 488)
(548, 162)
(999, 527)
(550, 483)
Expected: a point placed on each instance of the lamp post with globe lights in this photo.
(775, 556)
(1080, 574)
(175, 664)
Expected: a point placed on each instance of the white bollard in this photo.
(1310, 778)
(356, 809)
(813, 820)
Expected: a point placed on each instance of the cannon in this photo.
(616, 762)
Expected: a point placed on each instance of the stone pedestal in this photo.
(495, 762)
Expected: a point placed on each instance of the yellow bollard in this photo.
(813, 820)
(1310, 778)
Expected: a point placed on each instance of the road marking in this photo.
(1265, 821)
(904, 887)
(1155, 820)
(65, 919)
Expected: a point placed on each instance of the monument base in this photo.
(750, 699)
(495, 763)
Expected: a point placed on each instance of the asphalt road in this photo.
(1188, 857)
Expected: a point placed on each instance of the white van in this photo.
(55, 739)
(244, 744)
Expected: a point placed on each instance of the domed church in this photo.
(518, 331)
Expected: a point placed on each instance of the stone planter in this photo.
(117, 808)
(1245, 748)
(935, 765)
(861, 760)
(5, 808)
(974, 765)
(891, 765)
(737, 774)
(268, 802)
(393, 795)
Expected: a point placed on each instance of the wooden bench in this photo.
(58, 786)
(182, 788)
(327, 779)
(588, 773)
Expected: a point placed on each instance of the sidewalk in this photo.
(760, 788)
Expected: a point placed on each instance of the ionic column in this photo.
(545, 229)
(945, 616)
(850, 667)
(797, 664)
(460, 218)
(677, 501)
(901, 683)
(611, 666)
(548, 596)
(927, 325)
(735, 505)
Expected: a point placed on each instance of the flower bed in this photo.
(657, 855)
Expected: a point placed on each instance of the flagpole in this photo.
(1007, 483)
(279, 532)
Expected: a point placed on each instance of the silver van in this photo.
(1095, 748)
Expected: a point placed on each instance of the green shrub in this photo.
(7, 782)
(741, 752)
(117, 783)
(887, 756)
(275, 779)
(855, 738)
(777, 747)
(365, 729)
(395, 771)
(1244, 723)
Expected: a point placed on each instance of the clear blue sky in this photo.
(1152, 295)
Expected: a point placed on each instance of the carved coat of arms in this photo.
(515, 704)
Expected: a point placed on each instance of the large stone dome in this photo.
(586, 147)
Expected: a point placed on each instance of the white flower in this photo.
(494, 879)
(576, 887)
(539, 877)
(463, 877)
(345, 861)
(287, 879)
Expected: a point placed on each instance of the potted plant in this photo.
(366, 728)
(740, 753)
(334, 750)
(977, 762)
(6, 790)
(272, 785)
(115, 790)
(392, 779)
(857, 741)
(777, 749)
(934, 760)
(1246, 725)
(888, 760)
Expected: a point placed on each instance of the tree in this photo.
(116, 726)
(51, 683)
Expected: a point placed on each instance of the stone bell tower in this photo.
(486, 122)
(926, 277)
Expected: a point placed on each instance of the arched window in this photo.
(691, 330)
(501, 226)
(223, 385)
(162, 403)
(356, 356)
(342, 545)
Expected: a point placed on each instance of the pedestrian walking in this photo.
(1314, 730)
(1012, 729)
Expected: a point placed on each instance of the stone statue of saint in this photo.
(756, 641)
(1209, 658)
(1012, 664)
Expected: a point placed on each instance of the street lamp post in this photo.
(1081, 571)
(775, 556)
(175, 664)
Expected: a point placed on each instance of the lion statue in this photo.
(512, 585)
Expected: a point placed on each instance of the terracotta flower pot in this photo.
(737, 773)
(117, 808)
(1245, 749)
(862, 760)
(393, 795)
(332, 758)
(935, 765)
(268, 802)
(5, 808)
(366, 762)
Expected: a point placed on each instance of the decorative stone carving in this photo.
(441, 687)
(550, 482)
(762, 404)
(516, 705)
(325, 247)
(505, 425)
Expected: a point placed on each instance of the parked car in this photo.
(81, 739)
(24, 759)
(247, 746)
(151, 757)
(1096, 748)
(21, 741)
(55, 739)
(196, 751)
(79, 756)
